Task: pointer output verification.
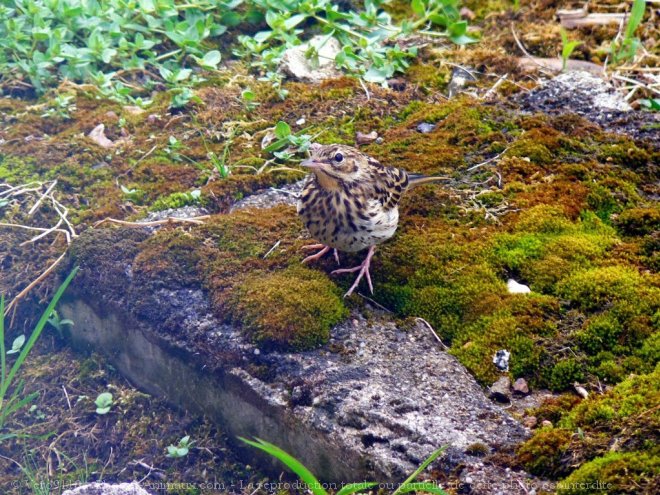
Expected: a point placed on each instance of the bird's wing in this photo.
(389, 183)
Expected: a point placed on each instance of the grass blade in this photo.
(636, 16)
(3, 364)
(355, 488)
(422, 487)
(421, 468)
(35, 333)
(291, 462)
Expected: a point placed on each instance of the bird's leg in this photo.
(364, 272)
(323, 250)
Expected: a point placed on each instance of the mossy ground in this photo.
(567, 209)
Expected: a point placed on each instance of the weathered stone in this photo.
(425, 127)
(106, 489)
(354, 408)
(285, 195)
(520, 387)
(362, 138)
(595, 99)
(297, 65)
(500, 390)
(530, 421)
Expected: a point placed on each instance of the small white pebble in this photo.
(300, 121)
(257, 352)
(516, 288)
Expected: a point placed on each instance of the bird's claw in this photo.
(323, 250)
(364, 272)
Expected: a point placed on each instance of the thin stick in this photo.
(272, 249)
(527, 54)
(473, 167)
(636, 83)
(66, 394)
(33, 283)
(497, 84)
(41, 198)
(195, 220)
(433, 332)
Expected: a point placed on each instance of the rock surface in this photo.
(107, 489)
(500, 390)
(297, 65)
(373, 402)
(592, 97)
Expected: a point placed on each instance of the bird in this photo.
(350, 203)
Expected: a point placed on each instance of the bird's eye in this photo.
(339, 157)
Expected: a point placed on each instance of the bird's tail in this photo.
(415, 180)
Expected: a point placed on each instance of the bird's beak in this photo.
(311, 163)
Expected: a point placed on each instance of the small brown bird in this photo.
(351, 203)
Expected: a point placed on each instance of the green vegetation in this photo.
(567, 48)
(181, 449)
(124, 50)
(12, 403)
(103, 403)
(626, 48)
(315, 486)
(580, 448)
(294, 308)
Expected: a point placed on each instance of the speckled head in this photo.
(337, 161)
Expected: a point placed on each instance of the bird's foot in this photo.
(363, 268)
(323, 250)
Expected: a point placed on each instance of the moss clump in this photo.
(175, 200)
(639, 221)
(625, 416)
(600, 333)
(597, 287)
(616, 473)
(543, 453)
(293, 309)
(565, 373)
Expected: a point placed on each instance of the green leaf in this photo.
(419, 9)
(210, 60)
(458, 28)
(651, 104)
(103, 403)
(356, 488)
(421, 468)
(636, 16)
(293, 21)
(291, 462)
(282, 130)
(377, 74)
(17, 344)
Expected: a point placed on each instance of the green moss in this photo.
(544, 219)
(294, 308)
(639, 221)
(530, 149)
(627, 399)
(624, 153)
(175, 200)
(565, 373)
(615, 473)
(542, 454)
(597, 287)
(601, 333)
(611, 196)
